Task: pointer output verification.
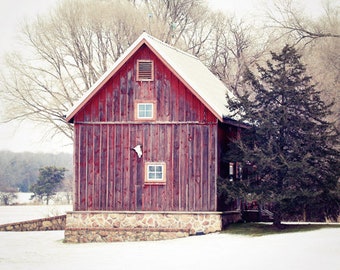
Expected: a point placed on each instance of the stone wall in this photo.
(102, 226)
(121, 234)
(45, 224)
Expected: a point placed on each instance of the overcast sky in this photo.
(32, 137)
(24, 136)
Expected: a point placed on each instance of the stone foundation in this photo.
(104, 226)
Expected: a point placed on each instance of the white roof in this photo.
(188, 68)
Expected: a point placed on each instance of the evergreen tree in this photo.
(48, 182)
(291, 145)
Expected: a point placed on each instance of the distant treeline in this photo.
(18, 171)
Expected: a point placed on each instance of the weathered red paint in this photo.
(185, 135)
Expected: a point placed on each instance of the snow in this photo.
(45, 250)
(16, 213)
(318, 249)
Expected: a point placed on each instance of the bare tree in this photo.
(68, 51)
(293, 22)
(233, 49)
(7, 195)
(318, 40)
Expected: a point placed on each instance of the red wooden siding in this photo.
(115, 101)
(108, 173)
(110, 176)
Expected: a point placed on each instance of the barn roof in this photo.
(188, 68)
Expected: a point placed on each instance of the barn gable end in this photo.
(147, 137)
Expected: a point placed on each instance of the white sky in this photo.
(32, 137)
(24, 136)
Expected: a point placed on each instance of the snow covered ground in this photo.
(312, 250)
(16, 213)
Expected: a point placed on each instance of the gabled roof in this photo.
(188, 68)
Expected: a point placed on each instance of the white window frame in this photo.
(152, 176)
(138, 104)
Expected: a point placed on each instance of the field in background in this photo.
(24, 208)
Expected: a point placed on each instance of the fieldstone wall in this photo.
(103, 226)
(121, 234)
(45, 224)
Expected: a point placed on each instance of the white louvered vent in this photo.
(144, 70)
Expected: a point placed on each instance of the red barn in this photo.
(148, 137)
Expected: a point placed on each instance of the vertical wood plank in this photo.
(176, 175)
(90, 172)
(103, 168)
(130, 95)
(183, 168)
(123, 98)
(190, 169)
(133, 168)
(116, 101)
(112, 162)
(78, 166)
(109, 101)
(118, 169)
(198, 166)
(168, 142)
(140, 168)
(96, 188)
(214, 169)
(205, 168)
(107, 167)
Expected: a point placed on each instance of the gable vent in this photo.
(144, 70)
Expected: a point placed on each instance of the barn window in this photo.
(144, 70)
(155, 173)
(145, 110)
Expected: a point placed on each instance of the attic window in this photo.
(145, 110)
(144, 70)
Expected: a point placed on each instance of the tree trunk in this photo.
(277, 219)
(304, 213)
(277, 216)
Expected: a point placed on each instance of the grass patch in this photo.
(262, 229)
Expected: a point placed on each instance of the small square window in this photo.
(155, 173)
(145, 110)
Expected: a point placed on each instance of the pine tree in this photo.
(50, 178)
(293, 148)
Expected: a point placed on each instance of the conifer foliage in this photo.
(50, 178)
(292, 148)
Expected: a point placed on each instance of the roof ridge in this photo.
(170, 46)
